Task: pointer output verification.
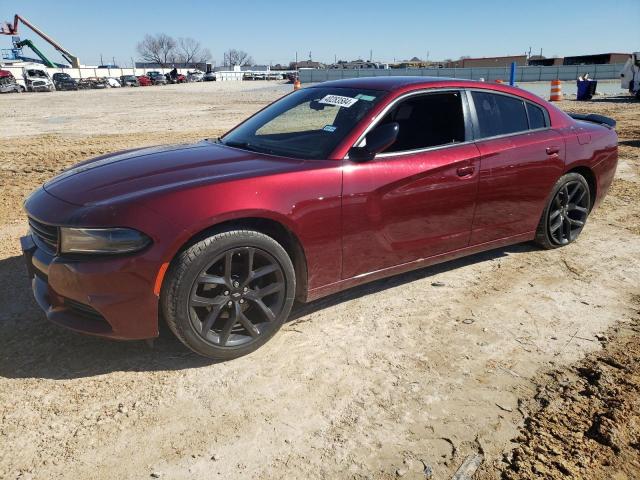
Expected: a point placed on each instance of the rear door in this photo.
(416, 199)
(521, 159)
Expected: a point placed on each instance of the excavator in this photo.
(12, 29)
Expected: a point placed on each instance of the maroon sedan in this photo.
(329, 187)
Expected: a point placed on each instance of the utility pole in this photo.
(113, 59)
(101, 62)
(296, 60)
(371, 55)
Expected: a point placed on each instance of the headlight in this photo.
(102, 240)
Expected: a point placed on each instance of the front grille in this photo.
(46, 234)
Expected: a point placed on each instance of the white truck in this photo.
(37, 80)
(630, 75)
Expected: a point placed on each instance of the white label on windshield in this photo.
(338, 101)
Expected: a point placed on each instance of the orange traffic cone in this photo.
(297, 85)
(556, 91)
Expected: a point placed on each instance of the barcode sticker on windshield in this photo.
(338, 100)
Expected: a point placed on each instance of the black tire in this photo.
(566, 212)
(218, 282)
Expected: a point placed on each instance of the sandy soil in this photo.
(412, 373)
(585, 420)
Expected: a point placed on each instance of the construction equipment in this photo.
(630, 75)
(12, 29)
(28, 43)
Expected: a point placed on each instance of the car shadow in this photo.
(31, 347)
(630, 143)
(614, 99)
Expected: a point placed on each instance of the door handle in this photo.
(465, 171)
(553, 150)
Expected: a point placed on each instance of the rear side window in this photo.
(426, 121)
(499, 114)
(537, 118)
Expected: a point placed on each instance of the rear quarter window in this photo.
(499, 114)
(537, 117)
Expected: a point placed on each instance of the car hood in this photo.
(133, 174)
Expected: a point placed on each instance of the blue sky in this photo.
(272, 31)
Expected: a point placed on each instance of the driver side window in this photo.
(426, 121)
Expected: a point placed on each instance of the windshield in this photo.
(309, 123)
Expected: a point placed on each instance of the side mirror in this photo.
(377, 140)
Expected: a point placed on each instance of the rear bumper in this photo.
(605, 172)
(106, 297)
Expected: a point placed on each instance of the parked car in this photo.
(179, 78)
(129, 81)
(93, 83)
(144, 81)
(63, 81)
(209, 77)
(8, 83)
(332, 186)
(113, 82)
(157, 78)
(195, 76)
(37, 80)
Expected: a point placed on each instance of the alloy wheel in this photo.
(568, 212)
(237, 297)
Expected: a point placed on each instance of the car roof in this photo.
(398, 85)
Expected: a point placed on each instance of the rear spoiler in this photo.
(594, 118)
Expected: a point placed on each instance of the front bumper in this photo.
(108, 297)
(40, 88)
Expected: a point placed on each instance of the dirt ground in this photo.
(393, 379)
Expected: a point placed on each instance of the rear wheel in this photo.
(566, 212)
(228, 294)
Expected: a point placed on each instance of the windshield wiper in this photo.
(236, 144)
(246, 146)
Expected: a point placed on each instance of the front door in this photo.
(417, 198)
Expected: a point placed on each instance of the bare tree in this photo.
(235, 57)
(204, 56)
(191, 51)
(160, 49)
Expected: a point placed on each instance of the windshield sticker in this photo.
(329, 128)
(366, 98)
(338, 100)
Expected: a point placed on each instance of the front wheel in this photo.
(566, 212)
(228, 294)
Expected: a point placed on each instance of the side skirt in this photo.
(415, 265)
